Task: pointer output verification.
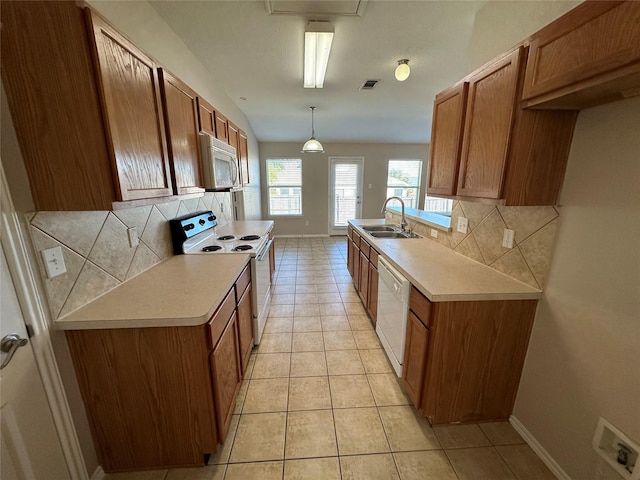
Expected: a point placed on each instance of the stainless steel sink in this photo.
(381, 228)
(393, 235)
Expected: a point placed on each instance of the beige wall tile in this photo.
(312, 469)
(92, 282)
(526, 220)
(309, 393)
(259, 437)
(134, 217)
(514, 265)
(537, 251)
(156, 234)
(169, 210)
(310, 434)
(369, 467)
(76, 230)
(143, 260)
(469, 248)
(262, 470)
(182, 210)
(112, 251)
(489, 235)
(407, 430)
(461, 436)
(359, 431)
(479, 464)
(475, 212)
(456, 237)
(191, 204)
(423, 465)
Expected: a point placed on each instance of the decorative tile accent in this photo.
(191, 204)
(489, 237)
(182, 210)
(169, 210)
(526, 220)
(536, 250)
(76, 230)
(143, 260)
(134, 217)
(469, 248)
(111, 251)
(92, 282)
(57, 288)
(157, 235)
(513, 264)
(475, 212)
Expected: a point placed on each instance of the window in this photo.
(442, 206)
(284, 186)
(403, 180)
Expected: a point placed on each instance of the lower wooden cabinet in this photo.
(362, 264)
(372, 301)
(363, 284)
(226, 376)
(245, 327)
(415, 358)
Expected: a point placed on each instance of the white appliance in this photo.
(393, 305)
(219, 163)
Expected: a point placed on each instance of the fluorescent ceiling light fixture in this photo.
(312, 145)
(402, 70)
(318, 37)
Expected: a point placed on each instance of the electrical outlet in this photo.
(53, 262)
(507, 238)
(132, 233)
(434, 233)
(463, 223)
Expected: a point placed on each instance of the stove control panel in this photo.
(188, 226)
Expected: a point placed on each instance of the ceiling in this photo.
(257, 57)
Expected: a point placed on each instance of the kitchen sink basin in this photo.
(381, 228)
(393, 235)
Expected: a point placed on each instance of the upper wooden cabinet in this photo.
(232, 135)
(181, 120)
(206, 117)
(508, 155)
(446, 139)
(132, 113)
(221, 127)
(587, 57)
(243, 157)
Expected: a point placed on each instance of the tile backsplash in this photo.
(96, 250)
(528, 260)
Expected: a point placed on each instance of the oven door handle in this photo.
(264, 251)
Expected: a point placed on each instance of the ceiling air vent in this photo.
(369, 84)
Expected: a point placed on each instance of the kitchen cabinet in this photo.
(508, 155)
(463, 360)
(589, 56)
(243, 157)
(181, 121)
(206, 117)
(362, 263)
(372, 300)
(221, 127)
(158, 397)
(232, 136)
(132, 111)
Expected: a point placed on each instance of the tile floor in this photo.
(320, 400)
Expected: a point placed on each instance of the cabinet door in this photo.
(132, 111)
(350, 257)
(181, 121)
(221, 127)
(232, 135)
(488, 124)
(415, 358)
(243, 157)
(372, 302)
(446, 139)
(363, 285)
(245, 328)
(206, 117)
(225, 370)
(356, 265)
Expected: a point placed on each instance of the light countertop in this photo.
(443, 275)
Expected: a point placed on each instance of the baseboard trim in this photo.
(537, 447)
(98, 474)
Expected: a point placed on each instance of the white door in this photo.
(29, 444)
(345, 195)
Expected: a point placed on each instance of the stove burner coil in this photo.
(241, 248)
(212, 248)
(226, 237)
(249, 238)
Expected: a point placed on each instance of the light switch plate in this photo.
(507, 238)
(434, 233)
(53, 262)
(133, 236)
(463, 223)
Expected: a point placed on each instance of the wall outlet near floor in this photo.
(463, 223)
(53, 262)
(507, 238)
(132, 233)
(433, 233)
(617, 449)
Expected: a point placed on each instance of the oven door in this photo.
(261, 290)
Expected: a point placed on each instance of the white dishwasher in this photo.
(393, 305)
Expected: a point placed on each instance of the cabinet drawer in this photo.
(243, 280)
(356, 239)
(220, 318)
(365, 248)
(421, 306)
(373, 257)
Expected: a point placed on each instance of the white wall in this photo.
(315, 179)
(583, 360)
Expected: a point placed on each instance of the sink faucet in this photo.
(403, 221)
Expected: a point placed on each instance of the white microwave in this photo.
(219, 163)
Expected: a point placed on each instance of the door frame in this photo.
(29, 297)
(343, 230)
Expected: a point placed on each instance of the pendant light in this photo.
(402, 70)
(312, 145)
